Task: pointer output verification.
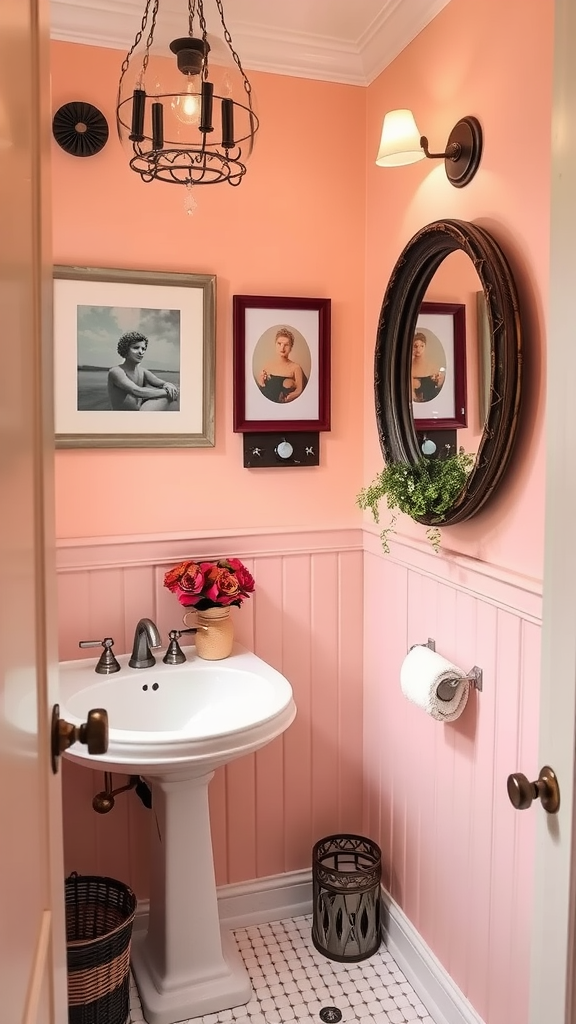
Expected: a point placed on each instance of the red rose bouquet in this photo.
(204, 585)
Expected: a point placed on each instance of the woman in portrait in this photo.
(427, 377)
(134, 388)
(282, 379)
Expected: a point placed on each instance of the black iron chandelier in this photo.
(190, 121)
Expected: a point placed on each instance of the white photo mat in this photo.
(439, 326)
(126, 294)
(306, 323)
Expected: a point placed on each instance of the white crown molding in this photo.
(299, 55)
(112, 24)
(398, 24)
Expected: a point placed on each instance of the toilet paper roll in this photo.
(422, 673)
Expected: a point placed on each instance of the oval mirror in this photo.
(429, 375)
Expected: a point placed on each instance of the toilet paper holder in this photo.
(474, 676)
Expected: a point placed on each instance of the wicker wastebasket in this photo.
(99, 918)
(346, 873)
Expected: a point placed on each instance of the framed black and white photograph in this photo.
(133, 358)
(281, 363)
(438, 367)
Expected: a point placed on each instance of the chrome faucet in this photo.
(146, 635)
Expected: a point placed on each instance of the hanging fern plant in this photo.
(427, 488)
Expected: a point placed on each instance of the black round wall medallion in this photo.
(80, 129)
(330, 1014)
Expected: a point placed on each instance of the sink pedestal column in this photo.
(184, 965)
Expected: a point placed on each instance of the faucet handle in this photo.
(174, 653)
(107, 663)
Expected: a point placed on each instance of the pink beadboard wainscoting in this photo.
(457, 858)
(305, 619)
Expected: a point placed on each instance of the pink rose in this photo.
(192, 581)
(228, 584)
(245, 579)
(221, 586)
(173, 576)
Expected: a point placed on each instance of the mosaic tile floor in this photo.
(293, 982)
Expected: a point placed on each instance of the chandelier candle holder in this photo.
(190, 120)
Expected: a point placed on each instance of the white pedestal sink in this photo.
(174, 725)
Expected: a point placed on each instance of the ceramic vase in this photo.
(215, 634)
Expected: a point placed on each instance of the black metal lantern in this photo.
(190, 121)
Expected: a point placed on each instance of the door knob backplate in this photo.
(93, 732)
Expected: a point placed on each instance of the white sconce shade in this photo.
(400, 141)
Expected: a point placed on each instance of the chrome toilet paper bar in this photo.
(474, 676)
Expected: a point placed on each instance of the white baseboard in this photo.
(280, 897)
(274, 898)
(258, 901)
(444, 1001)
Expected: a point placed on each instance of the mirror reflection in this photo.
(451, 358)
(428, 369)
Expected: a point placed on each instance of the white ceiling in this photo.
(348, 41)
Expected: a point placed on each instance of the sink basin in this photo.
(200, 714)
(174, 725)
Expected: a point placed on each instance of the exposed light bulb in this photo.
(186, 106)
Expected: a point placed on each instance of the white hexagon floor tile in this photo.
(292, 982)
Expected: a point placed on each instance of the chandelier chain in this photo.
(137, 38)
(150, 38)
(126, 62)
(191, 14)
(228, 38)
(202, 19)
(204, 31)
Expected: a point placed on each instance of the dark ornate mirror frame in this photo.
(410, 278)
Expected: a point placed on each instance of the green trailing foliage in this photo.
(427, 488)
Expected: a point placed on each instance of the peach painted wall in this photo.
(491, 60)
(295, 227)
(458, 858)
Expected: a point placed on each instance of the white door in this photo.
(32, 944)
(553, 966)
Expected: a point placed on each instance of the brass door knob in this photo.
(546, 788)
(93, 732)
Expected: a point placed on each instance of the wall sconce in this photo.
(401, 143)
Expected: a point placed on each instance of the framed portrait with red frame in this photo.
(281, 363)
(438, 367)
